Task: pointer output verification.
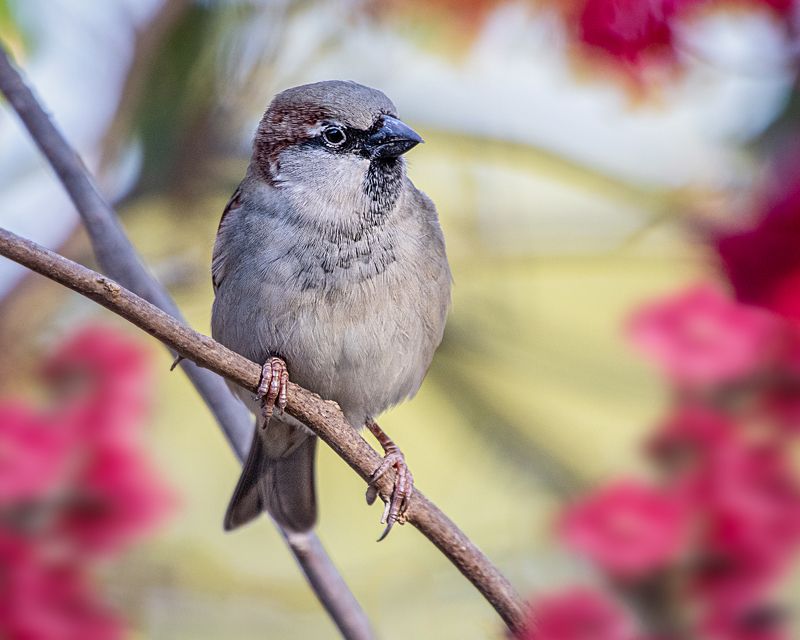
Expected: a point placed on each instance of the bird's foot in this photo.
(397, 503)
(272, 388)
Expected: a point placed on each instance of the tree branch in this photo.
(118, 258)
(322, 416)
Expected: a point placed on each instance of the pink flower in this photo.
(629, 29)
(781, 7)
(761, 259)
(578, 614)
(699, 337)
(104, 382)
(77, 482)
(639, 36)
(691, 434)
(730, 570)
(44, 598)
(750, 500)
(33, 454)
(86, 451)
(754, 622)
(117, 498)
(778, 396)
(628, 529)
(760, 484)
(752, 497)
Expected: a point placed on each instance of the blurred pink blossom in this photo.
(49, 598)
(628, 29)
(754, 623)
(750, 501)
(635, 34)
(701, 553)
(627, 529)
(103, 382)
(760, 258)
(118, 498)
(75, 485)
(729, 570)
(700, 337)
(781, 7)
(578, 614)
(781, 405)
(692, 431)
(33, 454)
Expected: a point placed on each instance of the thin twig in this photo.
(119, 259)
(322, 416)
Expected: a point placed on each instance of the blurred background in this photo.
(576, 179)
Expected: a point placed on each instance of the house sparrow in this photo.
(331, 265)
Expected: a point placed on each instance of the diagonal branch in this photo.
(322, 416)
(118, 258)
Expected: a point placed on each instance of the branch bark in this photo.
(322, 416)
(118, 258)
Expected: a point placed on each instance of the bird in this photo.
(329, 267)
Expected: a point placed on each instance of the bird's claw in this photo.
(396, 505)
(272, 388)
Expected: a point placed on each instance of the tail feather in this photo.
(290, 494)
(246, 503)
(282, 485)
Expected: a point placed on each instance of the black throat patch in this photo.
(336, 253)
(382, 185)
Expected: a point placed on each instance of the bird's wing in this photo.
(218, 257)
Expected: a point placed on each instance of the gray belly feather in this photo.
(357, 320)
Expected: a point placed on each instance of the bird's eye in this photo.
(334, 136)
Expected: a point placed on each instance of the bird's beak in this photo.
(392, 140)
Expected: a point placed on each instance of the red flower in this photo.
(117, 498)
(578, 614)
(754, 622)
(104, 382)
(699, 337)
(76, 482)
(33, 454)
(628, 29)
(692, 432)
(750, 501)
(781, 7)
(628, 529)
(753, 500)
(48, 599)
(636, 31)
(728, 573)
(760, 484)
(761, 259)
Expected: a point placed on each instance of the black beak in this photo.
(392, 140)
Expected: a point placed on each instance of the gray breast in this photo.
(355, 310)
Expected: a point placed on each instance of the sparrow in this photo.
(329, 265)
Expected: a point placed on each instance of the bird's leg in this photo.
(403, 481)
(272, 388)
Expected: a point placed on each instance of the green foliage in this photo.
(176, 99)
(12, 34)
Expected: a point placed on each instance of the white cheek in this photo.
(324, 184)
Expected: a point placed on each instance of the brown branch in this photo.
(117, 257)
(322, 416)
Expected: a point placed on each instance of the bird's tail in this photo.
(278, 477)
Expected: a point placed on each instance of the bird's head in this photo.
(339, 139)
